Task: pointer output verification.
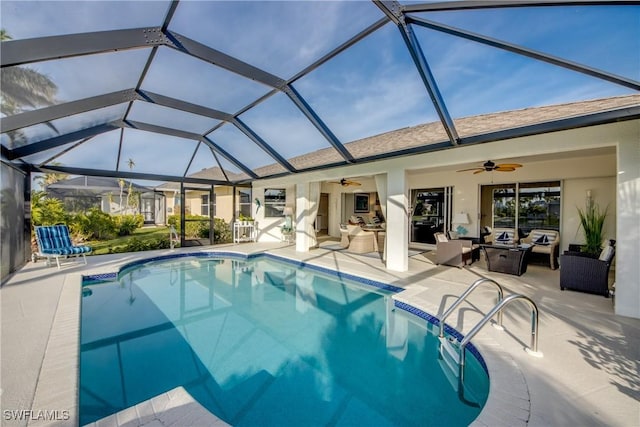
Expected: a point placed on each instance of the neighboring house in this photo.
(84, 192)
(199, 200)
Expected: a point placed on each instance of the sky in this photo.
(371, 88)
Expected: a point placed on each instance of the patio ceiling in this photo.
(164, 90)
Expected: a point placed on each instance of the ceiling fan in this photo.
(345, 182)
(489, 166)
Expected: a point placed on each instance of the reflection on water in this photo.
(261, 342)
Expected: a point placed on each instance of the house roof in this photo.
(95, 184)
(227, 93)
(422, 136)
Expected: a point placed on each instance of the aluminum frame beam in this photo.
(58, 141)
(47, 114)
(166, 101)
(222, 60)
(217, 149)
(262, 144)
(316, 121)
(131, 175)
(395, 12)
(27, 51)
(482, 4)
(530, 53)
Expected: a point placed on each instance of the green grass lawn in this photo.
(101, 247)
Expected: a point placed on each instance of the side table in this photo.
(507, 259)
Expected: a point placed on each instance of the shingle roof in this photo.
(433, 133)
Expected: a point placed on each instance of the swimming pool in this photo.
(261, 341)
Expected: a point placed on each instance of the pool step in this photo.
(174, 408)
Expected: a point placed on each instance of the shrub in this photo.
(138, 245)
(47, 210)
(127, 224)
(95, 224)
(221, 231)
(200, 229)
(193, 229)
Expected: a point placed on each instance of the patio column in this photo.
(628, 229)
(397, 221)
(302, 218)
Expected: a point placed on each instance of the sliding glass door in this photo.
(522, 206)
(431, 213)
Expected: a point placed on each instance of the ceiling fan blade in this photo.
(471, 169)
(353, 183)
(504, 169)
(509, 165)
(478, 171)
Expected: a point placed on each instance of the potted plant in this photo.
(592, 224)
(245, 220)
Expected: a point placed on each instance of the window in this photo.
(243, 198)
(539, 206)
(431, 213)
(204, 205)
(274, 202)
(525, 206)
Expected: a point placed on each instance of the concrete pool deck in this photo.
(588, 375)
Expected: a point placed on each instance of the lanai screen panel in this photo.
(370, 89)
(66, 125)
(286, 130)
(280, 37)
(190, 79)
(488, 89)
(604, 37)
(99, 152)
(158, 115)
(29, 19)
(155, 153)
(246, 151)
(90, 75)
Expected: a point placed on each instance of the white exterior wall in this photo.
(628, 223)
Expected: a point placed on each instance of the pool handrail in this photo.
(466, 293)
(532, 350)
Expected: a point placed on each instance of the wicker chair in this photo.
(581, 272)
(356, 240)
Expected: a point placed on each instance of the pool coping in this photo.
(508, 402)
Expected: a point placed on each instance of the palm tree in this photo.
(50, 177)
(131, 165)
(23, 88)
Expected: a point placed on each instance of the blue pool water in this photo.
(264, 342)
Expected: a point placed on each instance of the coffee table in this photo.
(507, 259)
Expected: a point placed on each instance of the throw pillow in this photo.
(503, 237)
(542, 240)
(606, 254)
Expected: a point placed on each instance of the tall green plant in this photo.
(592, 223)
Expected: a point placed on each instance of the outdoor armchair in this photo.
(54, 242)
(544, 242)
(456, 253)
(583, 272)
(356, 240)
